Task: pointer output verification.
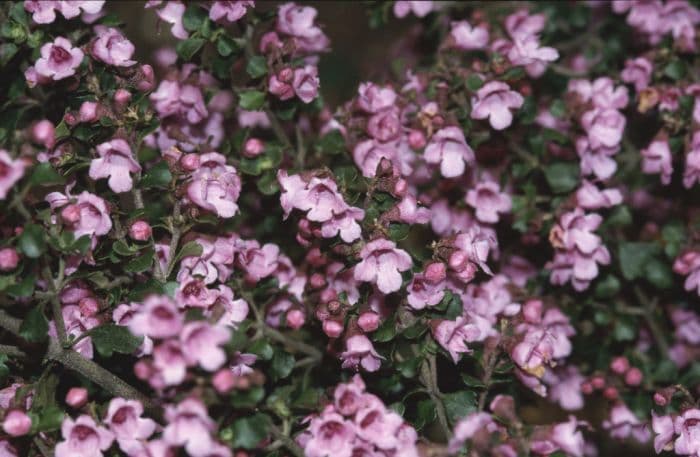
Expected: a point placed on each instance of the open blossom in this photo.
(604, 127)
(59, 60)
(116, 162)
(691, 173)
(637, 72)
(454, 335)
(449, 148)
(44, 11)
(83, 437)
(599, 161)
(656, 158)
(156, 317)
(215, 186)
(359, 351)
(190, 426)
(382, 263)
(488, 201)
(373, 98)
(589, 196)
(124, 420)
(186, 100)
(687, 427)
(201, 341)
(88, 215)
(664, 430)
(528, 52)
(495, 101)
(522, 24)
(369, 153)
(306, 83)
(229, 10)
(420, 8)
(385, 125)
(172, 13)
(469, 38)
(688, 264)
(298, 22)
(11, 171)
(77, 323)
(623, 424)
(112, 48)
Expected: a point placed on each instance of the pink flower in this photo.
(656, 158)
(215, 186)
(83, 437)
(116, 161)
(382, 263)
(544, 341)
(258, 262)
(306, 83)
(43, 12)
(588, 196)
(420, 8)
(598, 161)
(124, 420)
(11, 171)
(189, 425)
(330, 434)
(201, 341)
(172, 13)
(410, 212)
(565, 437)
(494, 101)
(298, 22)
(527, 51)
(522, 24)
(76, 323)
(469, 426)
(58, 60)
(604, 127)
(623, 423)
(156, 317)
(488, 200)
(172, 98)
(454, 335)
(348, 398)
(423, 292)
(689, 264)
(373, 98)
(565, 387)
(77, 397)
(359, 351)
(692, 162)
(385, 125)
(449, 148)
(17, 423)
(664, 431)
(375, 424)
(369, 153)
(169, 365)
(229, 10)
(638, 72)
(112, 48)
(468, 38)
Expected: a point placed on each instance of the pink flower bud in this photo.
(88, 306)
(17, 423)
(660, 399)
(269, 41)
(223, 381)
(598, 382)
(458, 260)
(71, 214)
(122, 97)
(70, 119)
(285, 75)
(147, 78)
(587, 388)
(435, 272)
(633, 377)
(142, 369)
(44, 133)
(295, 318)
(532, 311)
(610, 393)
(317, 281)
(619, 365)
(88, 112)
(190, 162)
(368, 321)
(76, 397)
(8, 259)
(334, 307)
(140, 230)
(416, 139)
(332, 328)
(401, 187)
(253, 148)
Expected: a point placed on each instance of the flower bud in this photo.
(610, 393)
(586, 388)
(253, 148)
(70, 119)
(76, 397)
(142, 369)
(317, 281)
(368, 321)
(88, 112)
(189, 162)
(435, 272)
(88, 306)
(458, 260)
(147, 80)
(70, 214)
(122, 97)
(633, 377)
(532, 311)
(44, 133)
(223, 381)
(295, 318)
(140, 230)
(598, 382)
(8, 259)
(285, 75)
(332, 328)
(17, 423)
(619, 365)
(334, 307)
(416, 139)
(659, 399)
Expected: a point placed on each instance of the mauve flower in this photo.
(382, 263)
(488, 200)
(235, 311)
(59, 60)
(330, 434)
(369, 153)
(469, 426)
(116, 162)
(565, 387)
(542, 342)
(420, 8)
(298, 22)
(494, 101)
(257, 262)
(588, 196)
(598, 161)
(306, 83)
(454, 335)
(83, 437)
(567, 438)
(449, 148)
(410, 212)
(189, 425)
(17, 423)
(377, 425)
(186, 100)
(664, 430)
(169, 365)
(194, 293)
(637, 71)
(423, 292)
(76, 323)
(692, 162)
(124, 420)
(201, 341)
(172, 13)
(604, 127)
(623, 423)
(689, 264)
(359, 351)
(522, 24)
(469, 38)
(157, 317)
(527, 51)
(229, 10)
(385, 125)
(373, 98)
(215, 186)
(656, 158)
(43, 11)
(122, 315)
(112, 48)
(11, 171)
(7, 450)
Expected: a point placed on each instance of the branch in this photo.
(287, 441)
(10, 323)
(12, 351)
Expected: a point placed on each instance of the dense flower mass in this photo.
(464, 228)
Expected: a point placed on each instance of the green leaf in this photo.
(633, 256)
(625, 329)
(46, 419)
(24, 288)
(190, 249)
(558, 109)
(607, 287)
(4, 369)
(673, 235)
(157, 176)
(474, 82)
(186, 49)
(262, 349)
(282, 364)
(386, 331)
(122, 248)
(675, 69)
(426, 412)
(248, 432)
(248, 398)
(562, 177)
(251, 100)
(332, 142)
(459, 404)
(267, 184)
(193, 18)
(34, 327)
(256, 67)
(225, 46)
(658, 273)
(7, 52)
(140, 263)
(398, 232)
(18, 13)
(110, 338)
(32, 242)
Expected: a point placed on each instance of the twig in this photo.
(12, 351)
(428, 376)
(9, 323)
(43, 448)
(486, 378)
(174, 241)
(287, 441)
(649, 307)
(278, 129)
